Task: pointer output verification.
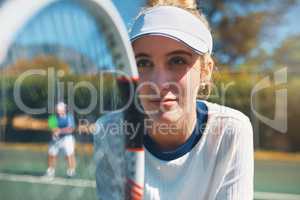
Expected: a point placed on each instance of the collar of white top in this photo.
(175, 23)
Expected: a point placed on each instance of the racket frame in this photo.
(13, 23)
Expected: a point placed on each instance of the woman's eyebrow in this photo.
(180, 52)
(141, 55)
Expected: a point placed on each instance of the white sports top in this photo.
(216, 162)
(218, 167)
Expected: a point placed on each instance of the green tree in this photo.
(39, 62)
(239, 25)
(288, 54)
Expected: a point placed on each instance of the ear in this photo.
(207, 68)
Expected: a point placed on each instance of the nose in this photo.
(161, 78)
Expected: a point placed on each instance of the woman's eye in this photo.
(144, 63)
(177, 61)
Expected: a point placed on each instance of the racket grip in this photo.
(133, 117)
(134, 134)
(135, 177)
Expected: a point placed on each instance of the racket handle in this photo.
(135, 179)
(134, 134)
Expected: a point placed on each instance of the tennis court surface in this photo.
(22, 167)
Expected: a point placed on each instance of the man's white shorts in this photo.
(67, 144)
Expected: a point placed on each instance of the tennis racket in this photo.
(52, 124)
(86, 38)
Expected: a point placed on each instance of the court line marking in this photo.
(83, 183)
(275, 196)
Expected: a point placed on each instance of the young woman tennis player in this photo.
(194, 150)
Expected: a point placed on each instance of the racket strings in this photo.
(72, 37)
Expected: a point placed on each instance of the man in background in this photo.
(62, 126)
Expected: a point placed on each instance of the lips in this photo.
(166, 102)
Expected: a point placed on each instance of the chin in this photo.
(169, 115)
(166, 117)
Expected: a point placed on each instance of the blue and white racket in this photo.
(90, 38)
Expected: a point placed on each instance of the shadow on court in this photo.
(27, 173)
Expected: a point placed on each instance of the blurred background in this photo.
(257, 54)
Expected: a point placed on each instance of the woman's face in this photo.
(169, 77)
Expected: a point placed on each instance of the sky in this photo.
(289, 26)
(129, 9)
(68, 20)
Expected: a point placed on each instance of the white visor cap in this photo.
(176, 23)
